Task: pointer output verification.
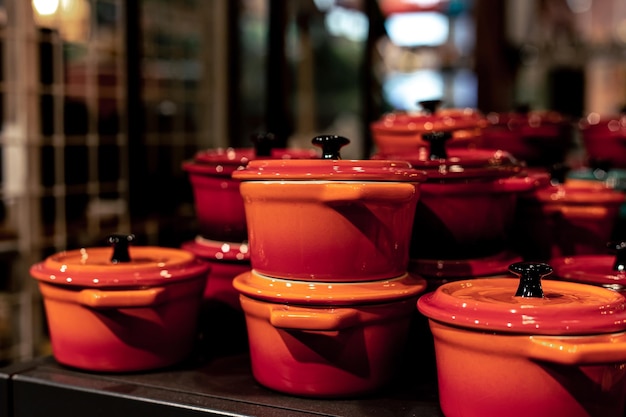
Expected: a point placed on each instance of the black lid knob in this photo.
(437, 141)
(619, 264)
(331, 145)
(523, 108)
(530, 274)
(430, 106)
(263, 143)
(120, 243)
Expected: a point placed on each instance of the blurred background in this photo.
(101, 101)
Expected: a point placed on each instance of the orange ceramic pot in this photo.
(565, 220)
(329, 219)
(217, 200)
(400, 132)
(110, 316)
(561, 354)
(227, 260)
(327, 339)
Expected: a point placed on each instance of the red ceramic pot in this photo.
(327, 339)
(467, 203)
(329, 219)
(560, 354)
(400, 132)
(227, 260)
(604, 140)
(565, 220)
(539, 138)
(218, 204)
(118, 314)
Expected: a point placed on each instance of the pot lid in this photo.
(214, 250)
(523, 118)
(464, 268)
(615, 123)
(223, 161)
(576, 195)
(608, 271)
(329, 167)
(272, 289)
(119, 266)
(456, 163)
(526, 305)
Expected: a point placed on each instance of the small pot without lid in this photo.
(113, 316)
(560, 354)
(217, 200)
(329, 219)
(327, 339)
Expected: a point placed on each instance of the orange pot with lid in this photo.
(542, 348)
(121, 309)
(327, 339)
(329, 219)
(399, 132)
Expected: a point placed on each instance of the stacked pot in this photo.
(328, 302)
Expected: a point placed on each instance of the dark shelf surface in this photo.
(215, 386)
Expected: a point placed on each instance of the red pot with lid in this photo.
(327, 339)
(329, 219)
(218, 204)
(537, 137)
(564, 220)
(467, 203)
(604, 139)
(399, 132)
(122, 309)
(541, 348)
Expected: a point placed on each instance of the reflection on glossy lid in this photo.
(214, 250)
(272, 289)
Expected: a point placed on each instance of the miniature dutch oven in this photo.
(604, 270)
(121, 309)
(227, 260)
(539, 138)
(565, 220)
(327, 339)
(528, 348)
(329, 219)
(399, 132)
(217, 200)
(467, 203)
(604, 140)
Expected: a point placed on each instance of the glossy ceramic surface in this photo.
(590, 269)
(565, 220)
(604, 139)
(329, 230)
(539, 138)
(121, 317)
(210, 176)
(328, 340)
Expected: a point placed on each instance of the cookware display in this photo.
(604, 140)
(564, 220)
(508, 347)
(398, 132)
(539, 138)
(329, 219)
(122, 309)
(217, 200)
(327, 339)
(468, 201)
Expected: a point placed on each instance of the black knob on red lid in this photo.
(331, 145)
(437, 141)
(430, 106)
(530, 275)
(263, 143)
(120, 243)
(619, 264)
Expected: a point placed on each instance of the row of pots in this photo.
(540, 138)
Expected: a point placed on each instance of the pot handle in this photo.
(344, 192)
(120, 299)
(302, 318)
(600, 349)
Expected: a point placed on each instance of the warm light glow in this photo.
(45, 7)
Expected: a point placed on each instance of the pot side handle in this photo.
(343, 192)
(120, 299)
(301, 318)
(600, 349)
